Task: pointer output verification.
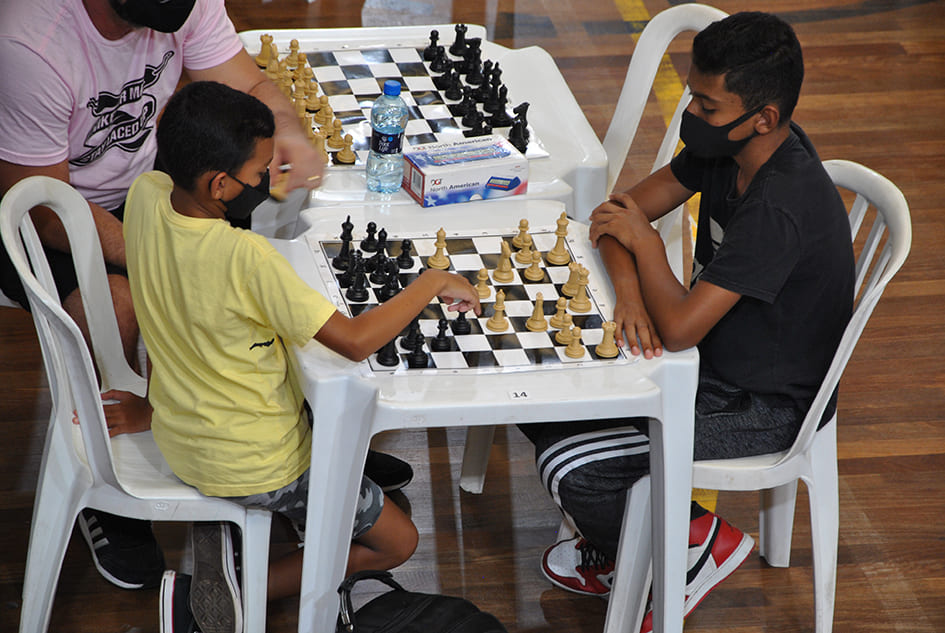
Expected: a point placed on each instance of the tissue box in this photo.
(476, 168)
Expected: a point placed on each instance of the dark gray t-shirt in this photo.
(785, 246)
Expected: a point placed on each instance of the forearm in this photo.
(287, 123)
(662, 293)
(621, 268)
(109, 228)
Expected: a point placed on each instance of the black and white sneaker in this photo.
(387, 471)
(214, 591)
(174, 607)
(124, 550)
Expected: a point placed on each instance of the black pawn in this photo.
(461, 324)
(358, 291)
(369, 243)
(474, 69)
(409, 340)
(404, 260)
(454, 91)
(387, 355)
(392, 284)
(441, 342)
(347, 277)
(378, 268)
(458, 47)
(418, 359)
(429, 53)
(441, 63)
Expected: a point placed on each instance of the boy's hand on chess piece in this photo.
(621, 218)
(457, 291)
(641, 335)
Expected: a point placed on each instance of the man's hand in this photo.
(621, 218)
(128, 413)
(306, 164)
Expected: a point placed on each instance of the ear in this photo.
(769, 121)
(216, 183)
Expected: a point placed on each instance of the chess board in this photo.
(353, 78)
(482, 350)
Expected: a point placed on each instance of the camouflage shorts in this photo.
(290, 501)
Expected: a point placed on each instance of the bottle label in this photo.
(386, 143)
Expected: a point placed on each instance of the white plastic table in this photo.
(575, 172)
(351, 404)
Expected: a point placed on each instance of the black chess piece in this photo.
(387, 355)
(404, 260)
(481, 128)
(441, 63)
(418, 359)
(340, 261)
(409, 340)
(346, 229)
(459, 43)
(472, 117)
(369, 243)
(481, 92)
(377, 266)
(442, 82)
(474, 68)
(381, 245)
(467, 104)
(392, 284)
(358, 290)
(461, 324)
(441, 342)
(454, 91)
(347, 277)
(429, 53)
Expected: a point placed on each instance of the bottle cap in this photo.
(391, 88)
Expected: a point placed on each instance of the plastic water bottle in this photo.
(385, 163)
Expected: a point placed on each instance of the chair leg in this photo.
(634, 568)
(476, 458)
(776, 524)
(53, 520)
(825, 524)
(255, 569)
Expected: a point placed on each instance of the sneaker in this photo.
(387, 471)
(214, 591)
(124, 550)
(578, 566)
(174, 604)
(716, 549)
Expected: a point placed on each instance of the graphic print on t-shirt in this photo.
(124, 119)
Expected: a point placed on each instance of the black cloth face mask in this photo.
(711, 141)
(240, 207)
(166, 16)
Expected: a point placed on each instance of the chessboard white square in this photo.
(435, 111)
(534, 340)
(424, 247)
(349, 58)
(544, 241)
(511, 357)
(548, 292)
(488, 244)
(417, 126)
(385, 69)
(593, 336)
(567, 359)
(328, 73)
(449, 360)
(363, 86)
(558, 274)
(419, 84)
(519, 308)
(466, 261)
(344, 103)
(473, 342)
(404, 55)
(429, 327)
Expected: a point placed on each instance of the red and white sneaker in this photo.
(716, 549)
(578, 566)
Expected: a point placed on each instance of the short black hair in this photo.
(207, 126)
(760, 57)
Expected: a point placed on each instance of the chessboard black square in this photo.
(474, 326)
(503, 341)
(321, 58)
(443, 125)
(432, 311)
(357, 71)
(461, 246)
(426, 97)
(413, 112)
(332, 88)
(377, 55)
(422, 139)
(348, 117)
(512, 292)
(412, 69)
(587, 321)
(543, 356)
(480, 359)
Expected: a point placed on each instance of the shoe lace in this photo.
(591, 557)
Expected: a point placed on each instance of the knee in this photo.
(406, 545)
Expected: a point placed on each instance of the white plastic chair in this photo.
(644, 64)
(813, 457)
(81, 467)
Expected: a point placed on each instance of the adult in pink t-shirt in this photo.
(84, 83)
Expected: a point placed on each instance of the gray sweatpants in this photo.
(588, 466)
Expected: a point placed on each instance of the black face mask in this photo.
(711, 141)
(240, 207)
(166, 16)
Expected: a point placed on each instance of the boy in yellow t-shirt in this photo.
(215, 304)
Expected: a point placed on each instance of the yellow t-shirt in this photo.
(215, 304)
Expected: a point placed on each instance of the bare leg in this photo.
(389, 543)
(124, 313)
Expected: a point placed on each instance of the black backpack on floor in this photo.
(402, 611)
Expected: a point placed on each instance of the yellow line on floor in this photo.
(668, 88)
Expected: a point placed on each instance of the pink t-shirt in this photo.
(70, 94)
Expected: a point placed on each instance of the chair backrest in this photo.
(881, 254)
(68, 361)
(644, 64)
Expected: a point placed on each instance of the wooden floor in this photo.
(874, 93)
